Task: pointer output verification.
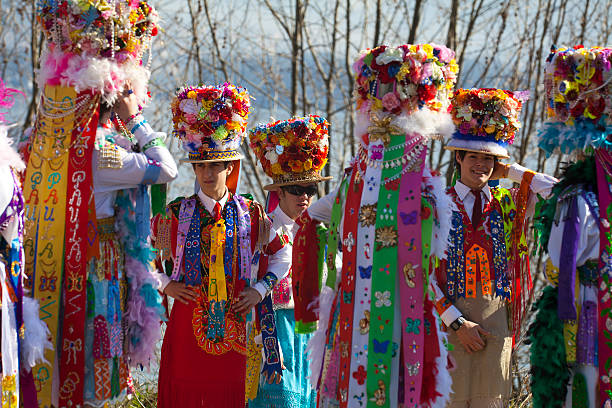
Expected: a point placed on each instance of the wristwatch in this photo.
(456, 325)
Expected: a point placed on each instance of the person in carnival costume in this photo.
(571, 353)
(87, 201)
(485, 278)
(211, 237)
(378, 343)
(24, 335)
(292, 152)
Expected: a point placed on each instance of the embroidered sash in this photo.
(193, 275)
(347, 284)
(217, 285)
(412, 267)
(186, 211)
(604, 187)
(46, 189)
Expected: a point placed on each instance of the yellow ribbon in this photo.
(45, 181)
(382, 129)
(216, 271)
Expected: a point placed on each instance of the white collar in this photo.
(209, 203)
(463, 190)
(280, 217)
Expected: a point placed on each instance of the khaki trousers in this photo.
(482, 379)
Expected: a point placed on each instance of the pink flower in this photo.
(213, 115)
(391, 101)
(191, 119)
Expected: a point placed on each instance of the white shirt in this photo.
(588, 239)
(284, 225)
(107, 182)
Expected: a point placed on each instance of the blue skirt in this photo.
(294, 390)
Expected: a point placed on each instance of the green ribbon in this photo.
(333, 234)
(384, 270)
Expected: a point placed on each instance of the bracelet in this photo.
(134, 116)
(136, 126)
(153, 143)
(134, 120)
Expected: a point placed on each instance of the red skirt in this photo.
(195, 373)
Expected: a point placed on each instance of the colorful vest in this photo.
(497, 248)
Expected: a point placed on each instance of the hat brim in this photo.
(238, 156)
(485, 147)
(276, 186)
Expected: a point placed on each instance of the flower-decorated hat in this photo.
(292, 151)
(406, 78)
(578, 83)
(97, 45)
(211, 121)
(486, 120)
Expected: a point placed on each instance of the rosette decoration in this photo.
(211, 121)
(578, 83)
(292, 151)
(486, 119)
(98, 45)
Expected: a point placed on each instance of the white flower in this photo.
(271, 156)
(189, 106)
(390, 55)
(383, 298)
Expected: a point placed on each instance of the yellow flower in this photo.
(232, 125)
(276, 168)
(490, 128)
(308, 164)
(283, 142)
(191, 94)
(428, 49)
(404, 71)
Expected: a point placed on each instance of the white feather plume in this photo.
(98, 74)
(8, 155)
(444, 212)
(443, 378)
(36, 339)
(316, 345)
(424, 122)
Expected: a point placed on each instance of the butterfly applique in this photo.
(365, 272)
(409, 218)
(380, 347)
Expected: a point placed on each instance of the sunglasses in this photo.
(301, 190)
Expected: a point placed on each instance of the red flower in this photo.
(577, 109)
(427, 92)
(360, 375)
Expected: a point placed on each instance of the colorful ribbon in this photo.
(412, 267)
(604, 188)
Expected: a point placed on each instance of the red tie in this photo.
(477, 210)
(217, 212)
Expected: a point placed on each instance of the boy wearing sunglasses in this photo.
(292, 153)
